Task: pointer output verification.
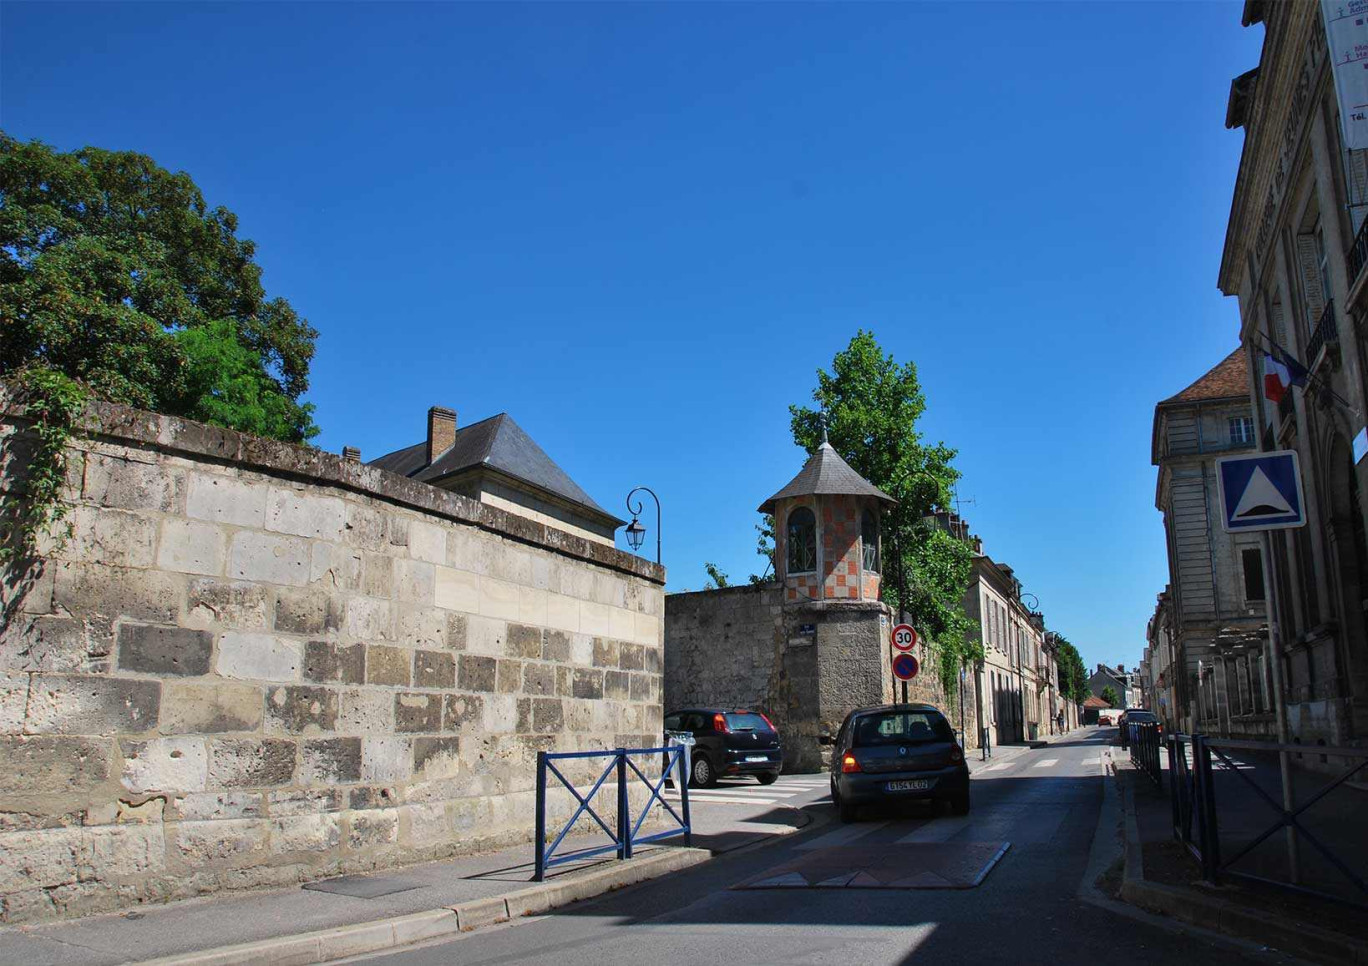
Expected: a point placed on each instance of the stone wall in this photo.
(254, 664)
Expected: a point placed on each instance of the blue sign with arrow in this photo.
(1261, 491)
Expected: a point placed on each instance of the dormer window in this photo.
(869, 538)
(802, 541)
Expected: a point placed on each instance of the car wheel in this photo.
(959, 805)
(847, 813)
(703, 775)
(768, 777)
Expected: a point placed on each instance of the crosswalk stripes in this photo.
(843, 835)
(1046, 762)
(729, 794)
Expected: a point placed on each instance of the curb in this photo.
(326, 945)
(1208, 912)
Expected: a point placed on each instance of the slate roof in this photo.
(500, 444)
(1228, 378)
(825, 473)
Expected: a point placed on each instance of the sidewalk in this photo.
(389, 908)
(1161, 876)
(1008, 752)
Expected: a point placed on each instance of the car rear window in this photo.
(747, 722)
(1140, 716)
(901, 728)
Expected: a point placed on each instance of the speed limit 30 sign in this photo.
(904, 637)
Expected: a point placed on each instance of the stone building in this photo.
(1296, 257)
(1160, 667)
(811, 645)
(254, 664)
(1215, 599)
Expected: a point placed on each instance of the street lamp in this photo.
(636, 533)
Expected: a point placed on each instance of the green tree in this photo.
(871, 406)
(717, 579)
(116, 273)
(1110, 696)
(764, 547)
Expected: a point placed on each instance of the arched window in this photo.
(869, 537)
(802, 541)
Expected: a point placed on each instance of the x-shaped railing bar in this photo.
(584, 805)
(1287, 818)
(673, 756)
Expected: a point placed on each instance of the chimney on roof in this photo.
(978, 545)
(441, 431)
(351, 454)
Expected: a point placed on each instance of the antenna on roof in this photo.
(969, 500)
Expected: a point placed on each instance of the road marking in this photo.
(1092, 761)
(1001, 764)
(841, 836)
(724, 800)
(936, 830)
(1047, 762)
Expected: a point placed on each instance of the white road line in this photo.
(725, 800)
(1092, 761)
(841, 836)
(985, 768)
(1046, 762)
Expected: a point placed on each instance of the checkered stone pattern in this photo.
(253, 664)
(839, 574)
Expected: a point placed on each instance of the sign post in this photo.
(904, 638)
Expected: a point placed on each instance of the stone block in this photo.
(398, 531)
(211, 843)
(427, 541)
(47, 642)
(91, 705)
(456, 630)
(192, 708)
(302, 514)
(647, 629)
(642, 687)
(414, 581)
(233, 604)
(14, 690)
(38, 767)
(40, 858)
(524, 640)
(301, 710)
(621, 623)
(420, 625)
(377, 575)
(365, 527)
(325, 761)
(539, 679)
(329, 663)
(502, 714)
(632, 657)
(305, 833)
(334, 565)
(414, 711)
(607, 652)
(617, 685)
(214, 806)
(250, 762)
(477, 673)
(556, 646)
(159, 649)
(192, 547)
(484, 635)
(587, 683)
(653, 660)
(307, 611)
(305, 801)
(435, 758)
(222, 499)
(595, 618)
(129, 484)
(427, 824)
(434, 669)
(369, 619)
(258, 657)
(386, 759)
(498, 598)
(509, 677)
(581, 648)
(373, 828)
(113, 537)
(124, 850)
(164, 765)
(462, 712)
(87, 590)
(269, 559)
(372, 796)
(532, 604)
(365, 712)
(389, 666)
(548, 716)
(510, 564)
(457, 590)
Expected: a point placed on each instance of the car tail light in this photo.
(956, 754)
(768, 721)
(849, 764)
(720, 724)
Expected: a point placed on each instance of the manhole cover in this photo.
(926, 865)
(362, 886)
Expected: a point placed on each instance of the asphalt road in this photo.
(1047, 803)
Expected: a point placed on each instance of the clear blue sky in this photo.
(640, 228)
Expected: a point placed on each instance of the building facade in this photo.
(1214, 605)
(1296, 257)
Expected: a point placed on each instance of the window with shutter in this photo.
(1309, 252)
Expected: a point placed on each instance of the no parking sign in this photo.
(905, 667)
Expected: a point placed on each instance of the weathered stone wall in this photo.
(254, 664)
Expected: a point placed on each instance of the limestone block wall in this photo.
(254, 664)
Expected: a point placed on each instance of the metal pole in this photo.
(624, 819)
(541, 817)
(634, 511)
(684, 797)
(1280, 707)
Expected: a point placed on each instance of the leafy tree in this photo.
(871, 406)
(1073, 674)
(116, 273)
(1110, 696)
(716, 578)
(764, 547)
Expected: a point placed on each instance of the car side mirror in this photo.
(825, 740)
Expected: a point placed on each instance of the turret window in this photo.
(802, 541)
(869, 537)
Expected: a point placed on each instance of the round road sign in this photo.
(905, 667)
(904, 637)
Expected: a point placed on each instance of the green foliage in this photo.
(871, 406)
(51, 403)
(764, 547)
(1110, 696)
(1073, 674)
(716, 578)
(116, 273)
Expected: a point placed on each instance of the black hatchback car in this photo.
(897, 752)
(728, 743)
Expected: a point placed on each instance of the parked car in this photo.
(894, 753)
(1106, 719)
(1135, 716)
(729, 743)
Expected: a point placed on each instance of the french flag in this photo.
(1281, 373)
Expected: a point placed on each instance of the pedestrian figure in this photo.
(1059, 718)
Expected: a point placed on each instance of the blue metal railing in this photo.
(627, 831)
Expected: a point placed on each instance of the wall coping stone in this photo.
(183, 437)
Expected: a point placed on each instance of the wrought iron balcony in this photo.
(1326, 333)
(1358, 253)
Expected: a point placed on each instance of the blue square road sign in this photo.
(1261, 491)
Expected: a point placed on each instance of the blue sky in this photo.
(641, 228)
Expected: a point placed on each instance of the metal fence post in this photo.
(624, 818)
(1206, 805)
(1171, 741)
(684, 797)
(541, 817)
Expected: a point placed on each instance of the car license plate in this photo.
(914, 785)
(757, 758)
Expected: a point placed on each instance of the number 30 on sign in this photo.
(904, 637)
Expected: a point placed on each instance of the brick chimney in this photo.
(441, 431)
(351, 454)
